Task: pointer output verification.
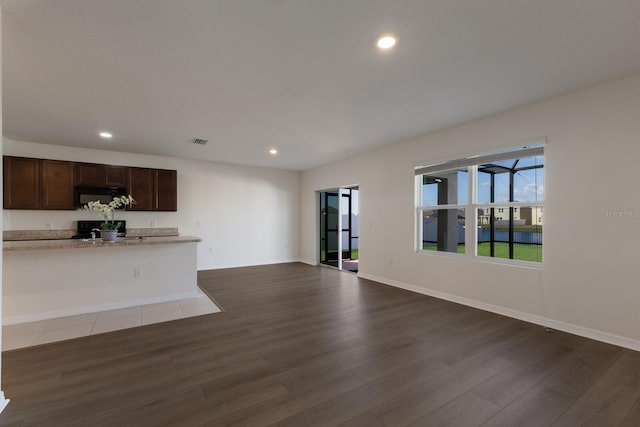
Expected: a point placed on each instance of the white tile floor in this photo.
(64, 328)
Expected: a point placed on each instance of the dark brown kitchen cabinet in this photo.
(37, 184)
(88, 174)
(21, 183)
(165, 190)
(141, 188)
(57, 184)
(49, 184)
(95, 175)
(116, 176)
(153, 189)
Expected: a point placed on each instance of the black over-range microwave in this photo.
(84, 195)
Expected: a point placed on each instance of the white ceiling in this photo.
(303, 76)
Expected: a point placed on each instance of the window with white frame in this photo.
(489, 205)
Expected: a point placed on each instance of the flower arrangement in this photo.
(106, 210)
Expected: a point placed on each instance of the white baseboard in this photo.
(222, 266)
(95, 308)
(3, 402)
(504, 311)
(595, 334)
(308, 261)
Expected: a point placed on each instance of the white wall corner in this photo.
(593, 334)
(3, 402)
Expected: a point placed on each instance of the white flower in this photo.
(106, 210)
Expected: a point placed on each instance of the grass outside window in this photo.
(501, 250)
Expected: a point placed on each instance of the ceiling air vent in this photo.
(200, 141)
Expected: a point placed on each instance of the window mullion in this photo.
(419, 212)
(437, 207)
(471, 234)
(508, 205)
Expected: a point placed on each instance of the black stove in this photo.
(86, 227)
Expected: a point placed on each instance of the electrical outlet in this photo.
(48, 225)
(137, 273)
(197, 224)
(210, 251)
(153, 223)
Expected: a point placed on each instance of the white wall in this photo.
(244, 215)
(589, 280)
(68, 281)
(3, 401)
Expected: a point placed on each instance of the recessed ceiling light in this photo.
(106, 135)
(273, 151)
(386, 42)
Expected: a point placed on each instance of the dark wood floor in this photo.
(310, 346)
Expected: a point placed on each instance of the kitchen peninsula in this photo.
(44, 279)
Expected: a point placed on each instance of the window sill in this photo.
(485, 260)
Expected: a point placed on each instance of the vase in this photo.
(109, 235)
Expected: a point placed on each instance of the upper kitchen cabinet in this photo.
(166, 190)
(37, 184)
(57, 184)
(141, 188)
(94, 175)
(116, 176)
(153, 189)
(89, 174)
(49, 184)
(21, 183)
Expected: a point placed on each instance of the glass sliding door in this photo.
(339, 228)
(349, 229)
(330, 227)
(345, 229)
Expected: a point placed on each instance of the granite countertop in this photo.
(32, 245)
(13, 235)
